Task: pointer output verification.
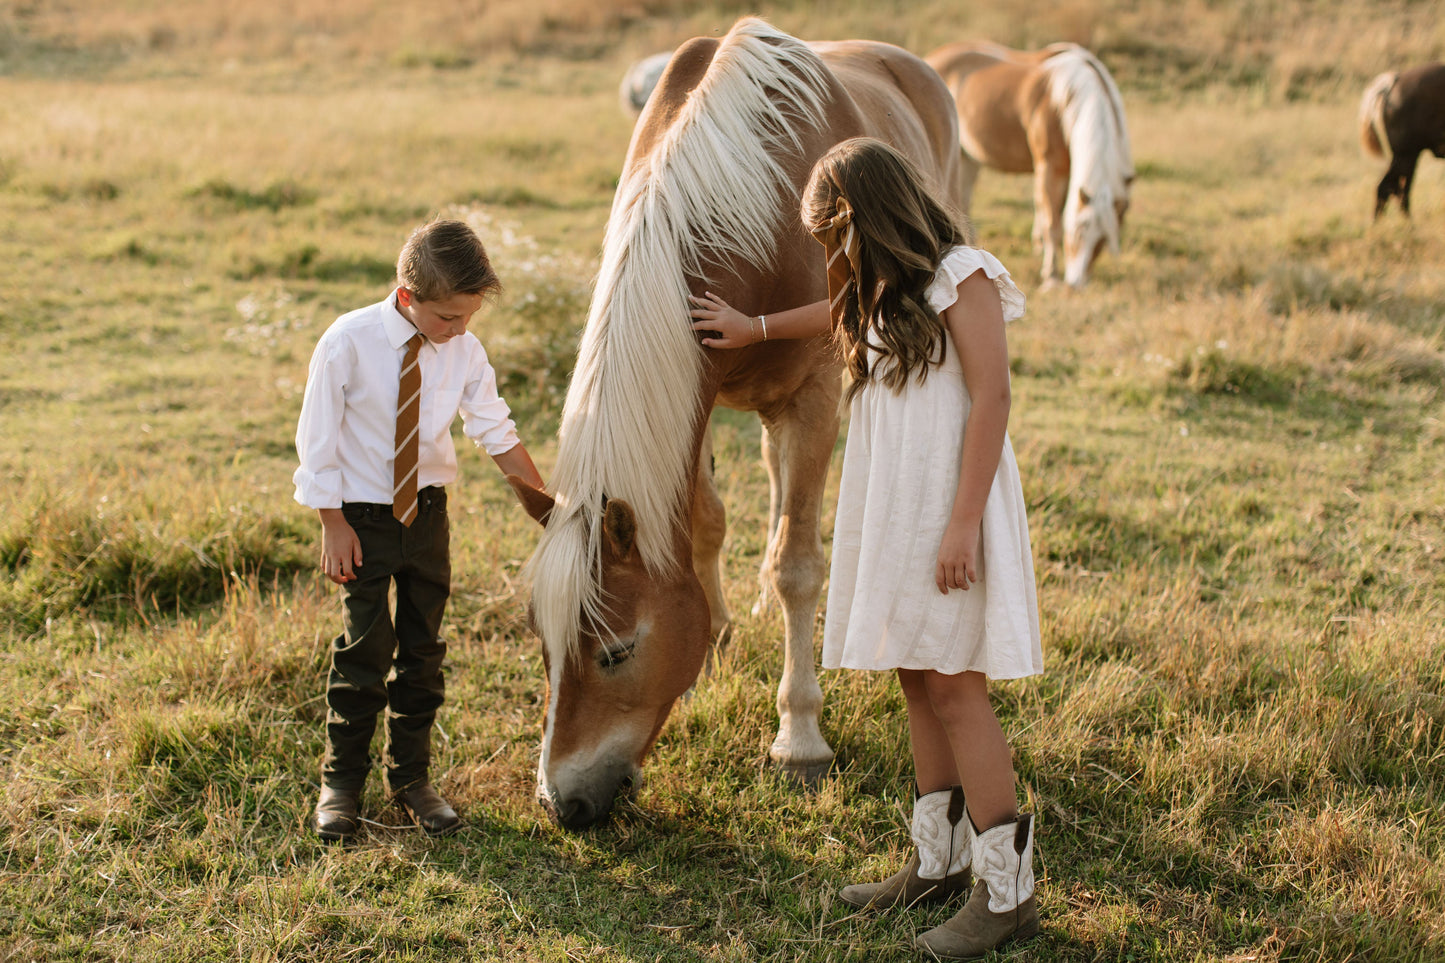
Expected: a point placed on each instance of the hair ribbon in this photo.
(839, 238)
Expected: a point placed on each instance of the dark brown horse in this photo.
(626, 591)
(1403, 112)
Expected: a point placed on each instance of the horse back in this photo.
(890, 94)
(1003, 105)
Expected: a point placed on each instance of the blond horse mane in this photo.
(1091, 112)
(706, 194)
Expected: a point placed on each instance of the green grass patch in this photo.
(275, 196)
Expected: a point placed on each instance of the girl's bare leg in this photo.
(933, 760)
(962, 713)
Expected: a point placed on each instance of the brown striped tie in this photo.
(408, 411)
(840, 244)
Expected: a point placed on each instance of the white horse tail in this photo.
(1372, 115)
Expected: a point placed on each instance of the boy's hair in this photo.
(445, 257)
(903, 232)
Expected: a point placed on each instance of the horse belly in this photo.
(992, 117)
(995, 138)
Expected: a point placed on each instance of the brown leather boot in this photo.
(1001, 907)
(338, 813)
(942, 839)
(428, 809)
(906, 888)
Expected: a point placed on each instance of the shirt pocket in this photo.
(443, 410)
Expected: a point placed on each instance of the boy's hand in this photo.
(340, 548)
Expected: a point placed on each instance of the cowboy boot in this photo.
(343, 776)
(939, 868)
(338, 813)
(1001, 907)
(429, 810)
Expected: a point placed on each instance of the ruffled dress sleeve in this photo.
(958, 264)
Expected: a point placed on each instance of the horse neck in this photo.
(1094, 125)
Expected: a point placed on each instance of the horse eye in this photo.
(611, 658)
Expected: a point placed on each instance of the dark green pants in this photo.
(389, 663)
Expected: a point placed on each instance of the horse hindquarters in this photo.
(1410, 117)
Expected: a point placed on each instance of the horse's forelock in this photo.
(706, 193)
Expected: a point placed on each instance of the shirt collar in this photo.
(398, 329)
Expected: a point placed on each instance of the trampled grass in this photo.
(1230, 445)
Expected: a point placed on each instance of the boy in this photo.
(384, 385)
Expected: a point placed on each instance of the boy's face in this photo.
(438, 321)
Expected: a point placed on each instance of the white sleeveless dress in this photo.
(900, 476)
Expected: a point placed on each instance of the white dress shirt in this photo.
(347, 433)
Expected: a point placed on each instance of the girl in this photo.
(932, 574)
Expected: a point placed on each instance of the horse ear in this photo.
(537, 502)
(620, 526)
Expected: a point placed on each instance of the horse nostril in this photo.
(576, 813)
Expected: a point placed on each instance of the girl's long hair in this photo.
(904, 232)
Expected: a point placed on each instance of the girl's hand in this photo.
(958, 557)
(713, 316)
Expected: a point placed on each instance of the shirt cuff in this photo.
(318, 490)
(499, 439)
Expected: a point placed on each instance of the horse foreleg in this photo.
(709, 526)
(967, 180)
(1049, 192)
(796, 569)
(770, 461)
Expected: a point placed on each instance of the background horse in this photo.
(1056, 113)
(1404, 112)
(626, 589)
(639, 80)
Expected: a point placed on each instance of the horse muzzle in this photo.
(588, 802)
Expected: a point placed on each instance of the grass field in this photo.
(1230, 444)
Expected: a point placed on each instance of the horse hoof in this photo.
(806, 774)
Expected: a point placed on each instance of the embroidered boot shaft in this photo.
(1001, 907)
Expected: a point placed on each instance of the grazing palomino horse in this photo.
(1057, 114)
(1403, 112)
(626, 590)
